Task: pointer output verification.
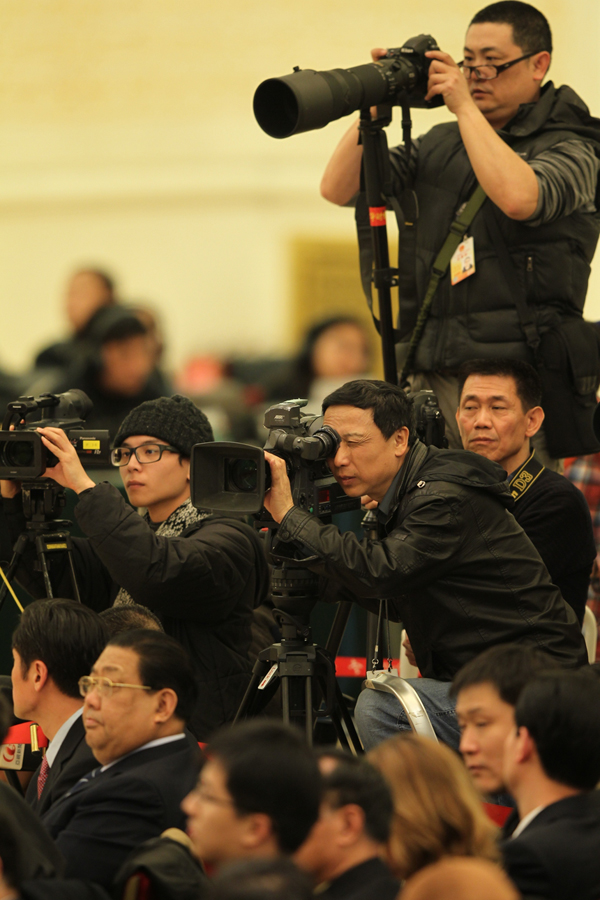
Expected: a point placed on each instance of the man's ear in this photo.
(352, 824)
(541, 64)
(535, 417)
(38, 673)
(401, 441)
(166, 704)
(258, 831)
(525, 749)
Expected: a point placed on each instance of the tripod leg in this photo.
(246, 706)
(46, 574)
(76, 595)
(19, 548)
(342, 721)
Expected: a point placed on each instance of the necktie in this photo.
(42, 777)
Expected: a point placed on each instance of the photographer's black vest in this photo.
(477, 317)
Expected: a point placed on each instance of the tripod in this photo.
(41, 501)
(305, 671)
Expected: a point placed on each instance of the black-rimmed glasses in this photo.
(147, 453)
(487, 72)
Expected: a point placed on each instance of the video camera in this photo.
(232, 478)
(23, 456)
(306, 99)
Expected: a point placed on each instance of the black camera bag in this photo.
(567, 359)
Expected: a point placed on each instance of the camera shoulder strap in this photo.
(457, 231)
(525, 476)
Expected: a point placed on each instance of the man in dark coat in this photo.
(455, 568)
(54, 644)
(201, 575)
(552, 769)
(138, 699)
(498, 414)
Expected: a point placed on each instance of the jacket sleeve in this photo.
(199, 577)
(421, 549)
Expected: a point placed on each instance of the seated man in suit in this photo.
(344, 848)
(54, 644)
(257, 796)
(552, 768)
(138, 698)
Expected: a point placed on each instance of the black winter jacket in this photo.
(202, 585)
(459, 571)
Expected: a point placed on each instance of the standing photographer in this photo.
(534, 150)
(455, 567)
(201, 575)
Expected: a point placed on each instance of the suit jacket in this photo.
(558, 855)
(367, 881)
(39, 857)
(98, 823)
(73, 760)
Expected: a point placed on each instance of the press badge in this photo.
(462, 263)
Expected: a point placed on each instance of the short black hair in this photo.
(129, 617)
(262, 879)
(67, 636)
(356, 781)
(507, 667)
(531, 31)
(6, 716)
(271, 770)
(561, 711)
(163, 663)
(527, 381)
(392, 409)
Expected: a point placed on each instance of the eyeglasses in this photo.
(487, 72)
(146, 454)
(104, 686)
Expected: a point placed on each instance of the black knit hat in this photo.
(173, 419)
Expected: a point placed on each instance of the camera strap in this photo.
(525, 476)
(456, 234)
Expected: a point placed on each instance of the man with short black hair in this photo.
(137, 701)
(257, 796)
(129, 617)
(55, 643)
(201, 575)
(456, 569)
(486, 691)
(344, 847)
(499, 412)
(534, 150)
(552, 768)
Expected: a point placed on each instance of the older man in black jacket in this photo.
(201, 575)
(454, 564)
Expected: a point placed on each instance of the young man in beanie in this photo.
(200, 574)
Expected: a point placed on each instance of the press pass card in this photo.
(462, 263)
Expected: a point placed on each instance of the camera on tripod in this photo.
(231, 478)
(307, 99)
(23, 456)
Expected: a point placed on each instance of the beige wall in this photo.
(127, 139)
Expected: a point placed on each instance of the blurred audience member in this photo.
(344, 846)
(257, 796)
(137, 701)
(584, 473)
(127, 618)
(262, 879)
(54, 644)
(334, 351)
(552, 769)
(460, 878)
(486, 692)
(437, 811)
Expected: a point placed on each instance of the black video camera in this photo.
(23, 456)
(232, 478)
(306, 99)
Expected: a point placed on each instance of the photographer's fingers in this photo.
(9, 489)
(278, 499)
(368, 503)
(377, 53)
(68, 472)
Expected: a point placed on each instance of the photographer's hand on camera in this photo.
(69, 472)
(278, 499)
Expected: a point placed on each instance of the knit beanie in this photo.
(173, 419)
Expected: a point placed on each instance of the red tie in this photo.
(42, 777)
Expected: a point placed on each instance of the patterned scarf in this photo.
(181, 519)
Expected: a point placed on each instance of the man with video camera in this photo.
(456, 568)
(534, 151)
(200, 574)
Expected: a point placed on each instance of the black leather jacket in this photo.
(458, 569)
